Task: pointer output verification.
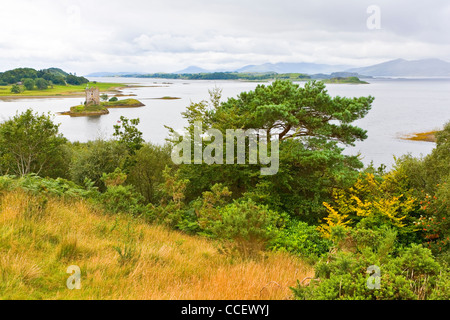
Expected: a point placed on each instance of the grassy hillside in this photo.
(122, 257)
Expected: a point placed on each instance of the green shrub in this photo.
(28, 84)
(247, 225)
(116, 178)
(119, 198)
(188, 221)
(7, 182)
(300, 238)
(146, 173)
(92, 159)
(128, 134)
(414, 274)
(427, 174)
(31, 143)
(47, 186)
(441, 291)
(41, 84)
(434, 225)
(123, 199)
(171, 209)
(16, 89)
(379, 243)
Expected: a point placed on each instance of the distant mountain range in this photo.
(282, 67)
(302, 67)
(405, 68)
(111, 74)
(393, 68)
(193, 69)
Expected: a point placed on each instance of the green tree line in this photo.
(40, 78)
(225, 76)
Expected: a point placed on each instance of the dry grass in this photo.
(123, 258)
(422, 136)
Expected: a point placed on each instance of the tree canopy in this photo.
(29, 143)
(55, 75)
(312, 128)
(293, 111)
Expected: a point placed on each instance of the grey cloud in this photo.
(172, 34)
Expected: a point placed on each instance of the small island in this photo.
(126, 103)
(93, 106)
(346, 80)
(167, 98)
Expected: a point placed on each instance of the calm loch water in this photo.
(401, 107)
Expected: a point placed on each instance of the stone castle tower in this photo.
(92, 96)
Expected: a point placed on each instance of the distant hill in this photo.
(393, 68)
(302, 67)
(51, 75)
(111, 74)
(405, 68)
(56, 72)
(282, 67)
(193, 69)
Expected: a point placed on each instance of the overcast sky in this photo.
(168, 35)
